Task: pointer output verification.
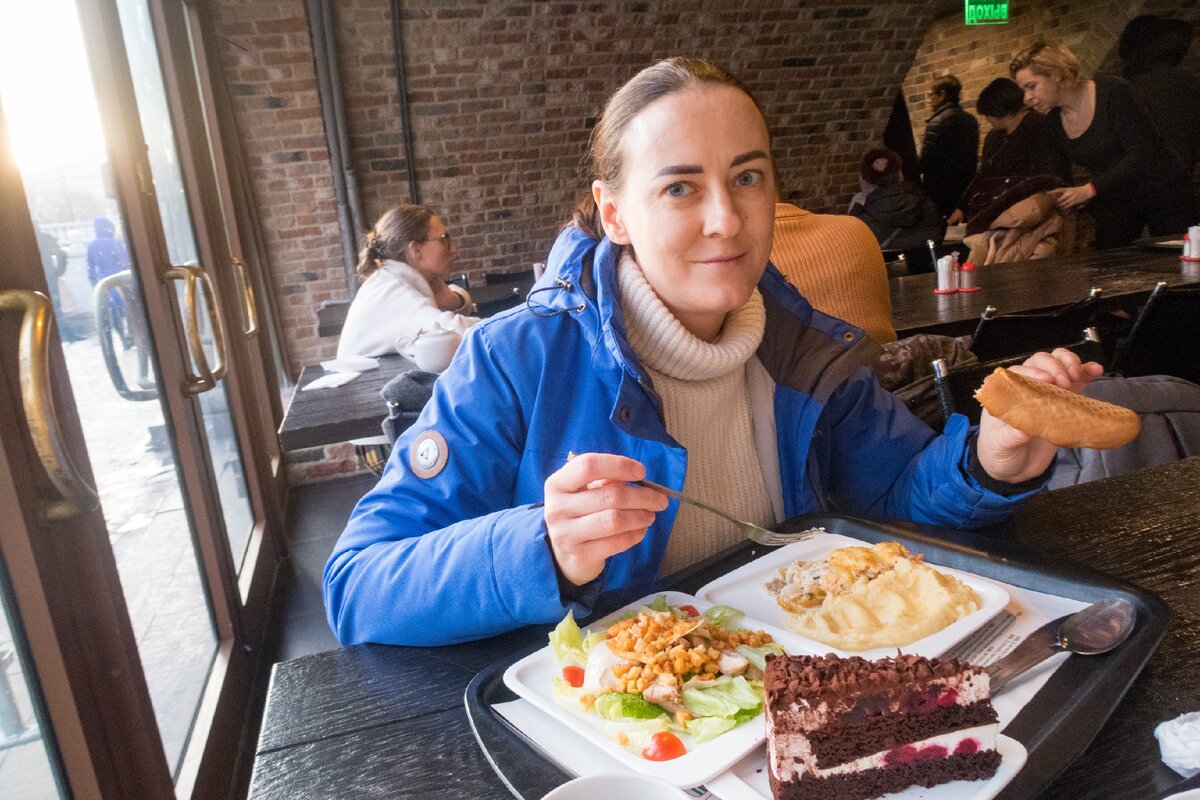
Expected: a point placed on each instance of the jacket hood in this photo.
(103, 227)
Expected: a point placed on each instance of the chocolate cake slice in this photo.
(851, 729)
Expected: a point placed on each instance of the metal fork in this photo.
(753, 532)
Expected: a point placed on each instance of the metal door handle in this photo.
(77, 496)
(205, 380)
(214, 319)
(249, 307)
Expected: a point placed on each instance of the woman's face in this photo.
(1041, 91)
(435, 255)
(697, 202)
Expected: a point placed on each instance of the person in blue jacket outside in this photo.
(660, 344)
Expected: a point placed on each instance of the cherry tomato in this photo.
(573, 675)
(663, 746)
(690, 610)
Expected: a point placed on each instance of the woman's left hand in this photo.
(1011, 456)
(446, 298)
(1072, 196)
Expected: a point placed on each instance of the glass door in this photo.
(28, 758)
(138, 275)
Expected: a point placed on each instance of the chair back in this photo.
(895, 263)
(331, 316)
(524, 276)
(1003, 335)
(956, 386)
(1165, 337)
(920, 259)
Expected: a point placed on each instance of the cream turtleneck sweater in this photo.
(706, 403)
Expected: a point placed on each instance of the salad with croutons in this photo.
(663, 674)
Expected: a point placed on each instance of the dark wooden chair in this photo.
(956, 385)
(918, 260)
(486, 308)
(895, 263)
(1003, 335)
(331, 316)
(1165, 337)
(525, 276)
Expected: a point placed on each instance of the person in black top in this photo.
(1152, 48)
(1137, 181)
(949, 146)
(1020, 145)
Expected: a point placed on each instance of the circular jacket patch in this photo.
(428, 454)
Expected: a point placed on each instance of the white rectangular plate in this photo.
(531, 679)
(744, 590)
(748, 779)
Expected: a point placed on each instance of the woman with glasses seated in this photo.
(403, 269)
(662, 345)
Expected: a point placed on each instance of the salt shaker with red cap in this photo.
(968, 278)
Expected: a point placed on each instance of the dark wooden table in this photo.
(388, 722)
(328, 416)
(1126, 276)
(355, 410)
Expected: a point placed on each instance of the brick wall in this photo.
(267, 57)
(503, 94)
(502, 98)
(979, 54)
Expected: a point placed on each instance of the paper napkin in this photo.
(351, 364)
(331, 381)
(1179, 742)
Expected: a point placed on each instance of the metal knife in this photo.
(1033, 650)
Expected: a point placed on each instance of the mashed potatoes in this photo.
(861, 598)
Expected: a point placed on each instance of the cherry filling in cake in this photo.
(849, 728)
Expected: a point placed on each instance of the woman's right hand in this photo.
(955, 217)
(1072, 196)
(592, 512)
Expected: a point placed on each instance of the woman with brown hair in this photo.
(1136, 180)
(403, 267)
(660, 344)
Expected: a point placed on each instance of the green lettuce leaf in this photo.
(638, 732)
(566, 694)
(622, 705)
(723, 699)
(722, 616)
(705, 728)
(567, 642)
(758, 655)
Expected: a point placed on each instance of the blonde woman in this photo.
(1136, 180)
(403, 268)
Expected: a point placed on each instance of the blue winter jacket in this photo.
(464, 554)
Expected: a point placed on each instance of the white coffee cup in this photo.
(432, 350)
(610, 787)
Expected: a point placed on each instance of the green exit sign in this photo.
(984, 13)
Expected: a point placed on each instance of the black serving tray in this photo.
(1084, 690)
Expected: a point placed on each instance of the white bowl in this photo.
(612, 787)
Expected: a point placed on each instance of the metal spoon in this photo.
(1096, 629)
